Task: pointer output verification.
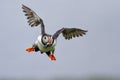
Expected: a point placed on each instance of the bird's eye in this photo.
(45, 37)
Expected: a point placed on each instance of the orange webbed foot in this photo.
(30, 49)
(52, 57)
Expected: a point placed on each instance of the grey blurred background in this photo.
(96, 55)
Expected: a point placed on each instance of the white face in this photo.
(47, 40)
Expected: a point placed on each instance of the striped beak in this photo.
(49, 41)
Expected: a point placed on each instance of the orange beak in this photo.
(49, 41)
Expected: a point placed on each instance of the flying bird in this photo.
(46, 43)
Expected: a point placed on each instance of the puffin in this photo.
(46, 43)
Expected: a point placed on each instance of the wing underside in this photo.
(69, 33)
(33, 18)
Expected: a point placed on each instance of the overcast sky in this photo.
(97, 53)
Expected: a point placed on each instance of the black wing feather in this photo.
(69, 33)
(33, 18)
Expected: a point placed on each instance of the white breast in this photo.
(42, 47)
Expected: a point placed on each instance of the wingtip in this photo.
(86, 30)
(23, 5)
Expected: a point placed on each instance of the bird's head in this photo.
(47, 40)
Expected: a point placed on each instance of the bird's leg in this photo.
(52, 55)
(31, 49)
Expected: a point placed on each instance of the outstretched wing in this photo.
(69, 33)
(33, 18)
